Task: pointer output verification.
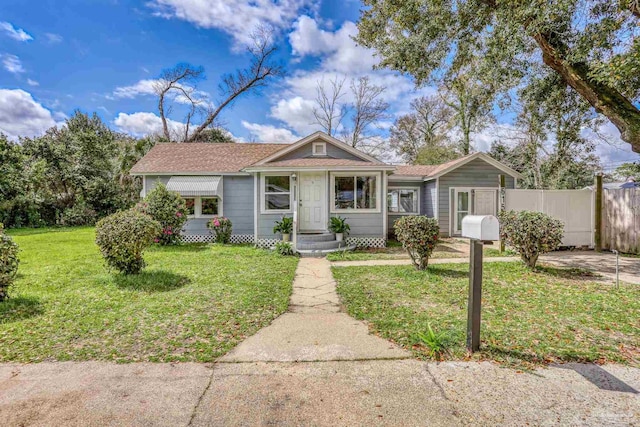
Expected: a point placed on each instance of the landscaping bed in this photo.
(550, 315)
(191, 303)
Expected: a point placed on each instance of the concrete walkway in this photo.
(314, 328)
(372, 262)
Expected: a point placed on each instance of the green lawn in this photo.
(192, 302)
(528, 317)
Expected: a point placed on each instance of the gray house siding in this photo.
(476, 173)
(306, 151)
(364, 224)
(429, 196)
(237, 203)
(150, 181)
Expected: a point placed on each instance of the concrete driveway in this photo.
(603, 263)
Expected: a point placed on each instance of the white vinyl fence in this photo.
(573, 207)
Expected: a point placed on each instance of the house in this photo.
(312, 180)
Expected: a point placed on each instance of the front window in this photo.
(191, 206)
(355, 192)
(403, 200)
(209, 206)
(277, 193)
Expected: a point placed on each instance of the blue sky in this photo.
(102, 56)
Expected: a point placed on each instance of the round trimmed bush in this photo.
(419, 235)
(169, 209)
(123, 237)
(221, 229)
(530, 234)
(8, 263)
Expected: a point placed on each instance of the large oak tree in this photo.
(591, 45)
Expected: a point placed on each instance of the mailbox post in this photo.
(478, 228)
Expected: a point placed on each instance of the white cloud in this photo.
(15, 33)
(144, 123)
(236, 18)
(269, 133)
(53, 38)
(12, 63)
(147, 87)
(21, 115)
(297, 113)
(32, 82)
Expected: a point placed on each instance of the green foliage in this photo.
(530, 234)
(221, 228)
(215, 135)
(284, 248)
(628, 170)
(123, 237)
(284, 226)
(169, 209)
(419, 235)
(78, 214)
(338, 224)
(435, 343)
(8, 263)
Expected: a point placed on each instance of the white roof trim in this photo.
(188, 173)
(195, 185)
(493, 162)
(314, 136)
(376, 167)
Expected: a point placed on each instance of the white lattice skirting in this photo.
(206, 238)
(367, 242)
(267, 243)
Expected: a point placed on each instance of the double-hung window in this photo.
(403, 201)
(203, 207)
(277, 193)
(355, 192)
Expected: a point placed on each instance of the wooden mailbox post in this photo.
(478, 228)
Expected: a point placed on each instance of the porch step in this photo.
(320, 245)
(316, 237)
(319, 253)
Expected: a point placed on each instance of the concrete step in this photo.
(316, 237)
(319, 253)
(332, 244)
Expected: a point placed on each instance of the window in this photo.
(462, 207)
(319, 149)
(403, 201)
(277, 193)
(208, 206)
(356, 192)
(191, 206)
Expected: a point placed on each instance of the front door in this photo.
(485, 202)
(312, 208)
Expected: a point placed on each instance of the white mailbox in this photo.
(481, 227)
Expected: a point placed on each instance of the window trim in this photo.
(416, 189)
(197, 207)
(263, 194)
(319, 144)
(354, 175)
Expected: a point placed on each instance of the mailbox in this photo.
(481, 227)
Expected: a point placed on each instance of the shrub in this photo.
(418, 235)
(8, 263)
(169, 209)
(284, 226)
(339, 225)
(284, 248)
(123, 237)
(220, 228)
(530, 233)
(79, 214)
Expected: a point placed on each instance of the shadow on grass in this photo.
(447, 273)
(185, 247)
(19, 308)
(567, 273)
(151, 281)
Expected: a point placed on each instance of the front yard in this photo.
(192, 302)
(528, 317)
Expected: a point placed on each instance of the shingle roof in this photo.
(314, 161)
(203, 157)
(426, 170)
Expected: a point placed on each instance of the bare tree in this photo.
(179, 80)
(261, 69)
(329, 112)
(368, 110)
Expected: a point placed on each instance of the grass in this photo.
(447, 248)
(528, 317)
(191, 303)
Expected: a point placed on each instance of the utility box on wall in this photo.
(481, 227)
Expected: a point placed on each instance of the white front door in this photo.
(462, 208)
(485, 202)
(312, 208)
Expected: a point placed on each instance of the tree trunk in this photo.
(531, 261)
(605, 99)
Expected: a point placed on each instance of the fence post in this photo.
(598, 214)
(501, 204)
